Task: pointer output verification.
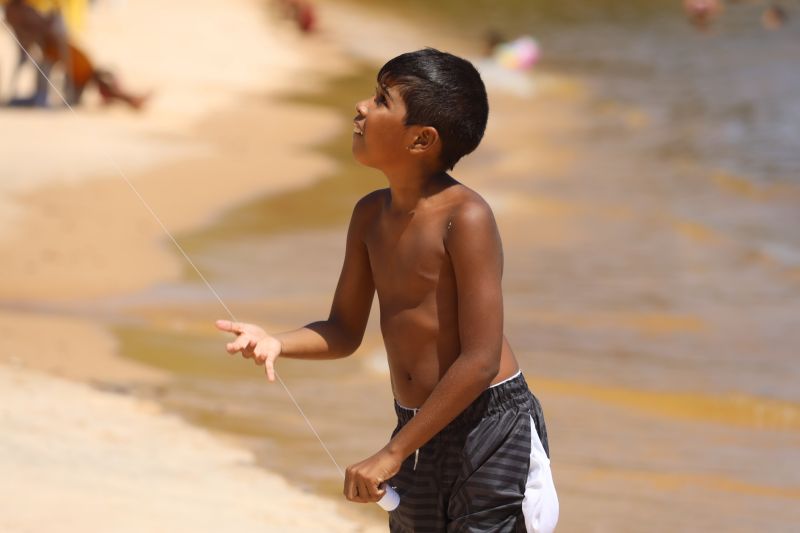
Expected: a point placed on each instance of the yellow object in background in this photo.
(74, 11)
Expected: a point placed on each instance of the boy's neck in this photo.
(407, 189)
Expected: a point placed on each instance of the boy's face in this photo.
(380, 136)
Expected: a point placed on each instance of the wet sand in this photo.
(602, 304)
(633, 474)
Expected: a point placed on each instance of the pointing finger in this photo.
(224, 325)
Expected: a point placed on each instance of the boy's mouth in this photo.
(357, 128)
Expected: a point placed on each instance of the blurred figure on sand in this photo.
(302, 12)
(774, 17)
(42, 31)
(701, 13)
(491, 40)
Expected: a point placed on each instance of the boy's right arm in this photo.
(341, 333)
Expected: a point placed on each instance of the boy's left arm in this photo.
(473, 244)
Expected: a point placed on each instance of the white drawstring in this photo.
(416, 453)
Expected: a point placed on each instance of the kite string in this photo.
(124, 176)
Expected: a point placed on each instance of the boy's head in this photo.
(441, 92)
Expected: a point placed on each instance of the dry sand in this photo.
(70, 228)
(74, 459)
(208, 117)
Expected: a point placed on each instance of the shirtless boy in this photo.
(470, 449)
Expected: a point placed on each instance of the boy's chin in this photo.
(360, 157)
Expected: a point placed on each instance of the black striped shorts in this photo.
(486, 471)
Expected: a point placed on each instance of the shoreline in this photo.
(81, 253)
(91, 260)
(224, 132)
(713, 415)
(58, 276)
(106, 465)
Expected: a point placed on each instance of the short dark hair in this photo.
(443, 91)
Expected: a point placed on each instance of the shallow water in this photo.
(727, 96)
(651, 295)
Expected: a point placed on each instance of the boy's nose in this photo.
(361, 108)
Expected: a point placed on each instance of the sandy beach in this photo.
(77, 459)
(119, 410)
(77, 200)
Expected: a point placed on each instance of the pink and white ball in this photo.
(520, 54)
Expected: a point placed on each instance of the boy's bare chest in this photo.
(407, 257)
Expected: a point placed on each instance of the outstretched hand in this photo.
(253, 343)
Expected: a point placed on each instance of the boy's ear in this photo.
(427, 137)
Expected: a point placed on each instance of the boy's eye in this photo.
(380, 99)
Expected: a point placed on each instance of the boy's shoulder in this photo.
(467, 204)
(372, 200)
(368, 207)
(367, 210)
(457, 201)
(457, 210)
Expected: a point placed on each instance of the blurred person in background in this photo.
(36, 32)
(41, 29)
(774, 17)
(301, 12)
(702, 13)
